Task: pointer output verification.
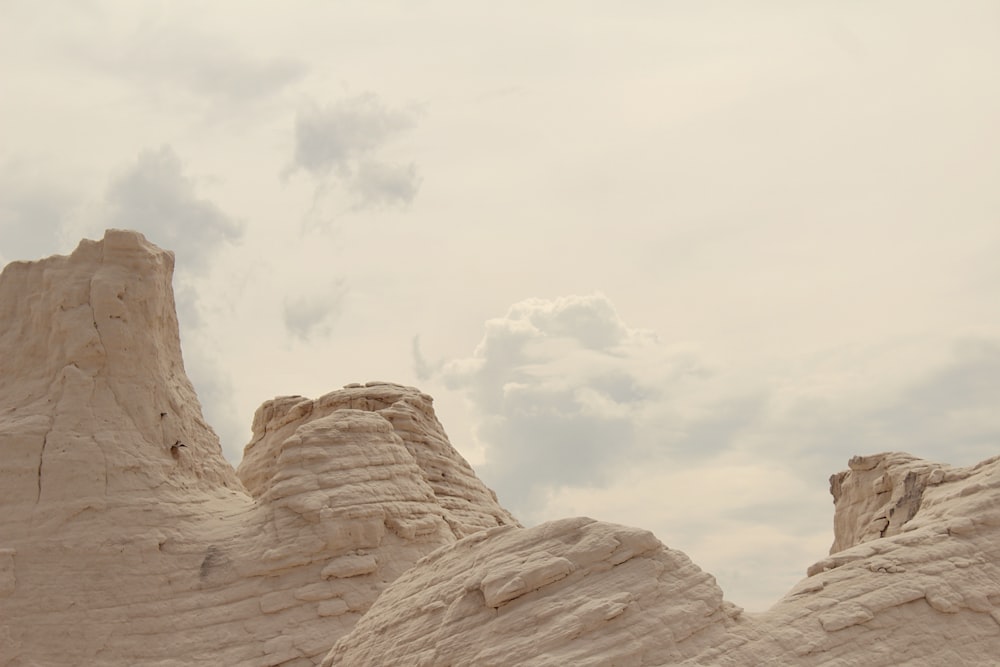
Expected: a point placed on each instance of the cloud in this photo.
(344, 142)
(949, 411)
(215, 393)
(383, 184)
(579, 413)
(565, 395)
(183, 58)
(154, 196)
(33, 210)
(559, 389)
(423, 369)
(307, 315)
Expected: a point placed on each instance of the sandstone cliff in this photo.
(126, 538)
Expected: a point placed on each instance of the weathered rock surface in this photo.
(126, 538)
(913, 579)
(568, 592)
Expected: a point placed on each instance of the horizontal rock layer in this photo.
(126, 538)
(922, 588)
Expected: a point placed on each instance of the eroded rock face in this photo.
(94, 397)
(569, 592)
(428, 475)
(922, 588)
(127, 539)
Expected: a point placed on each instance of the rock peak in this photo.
(352, 523)
(97, 391)
(122, 525)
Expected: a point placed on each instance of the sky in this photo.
(667, 264)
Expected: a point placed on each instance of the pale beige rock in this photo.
(921, 587)
(126, 538)
(569, 592)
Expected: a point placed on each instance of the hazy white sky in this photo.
(667, 264)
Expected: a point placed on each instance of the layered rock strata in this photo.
(127, 539)
(569, 592)
(913, 579)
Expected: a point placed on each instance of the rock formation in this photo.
(126, 538)
(913, 579)
(354, 534)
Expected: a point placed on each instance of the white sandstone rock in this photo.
(126, 538)
(921, 589)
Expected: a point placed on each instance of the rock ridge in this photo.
(353, 533)
(127, 539)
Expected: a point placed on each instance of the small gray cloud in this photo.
(344, 142)
(309, 315)
(154, 196)
(383, 184)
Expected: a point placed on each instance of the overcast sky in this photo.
(668, 264)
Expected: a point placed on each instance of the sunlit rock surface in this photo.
(354, 534)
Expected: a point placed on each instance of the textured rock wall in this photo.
(460, 503)
(94, 392)
(568, 592)
(127, 539)
(918, 583)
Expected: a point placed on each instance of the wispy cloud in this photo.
(155, 196)
(33, 210)
(313, 314)
(167, 57)
(345, 141)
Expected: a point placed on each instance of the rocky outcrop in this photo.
(569, 592)
(917, 582)
(127, 539)
(431, 487)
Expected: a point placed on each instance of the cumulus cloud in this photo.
(565, 394)
(577, 412)
(308, 315)
(345, 142)
(559, 386)
(154, 196)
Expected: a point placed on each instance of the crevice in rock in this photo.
(41, 460)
